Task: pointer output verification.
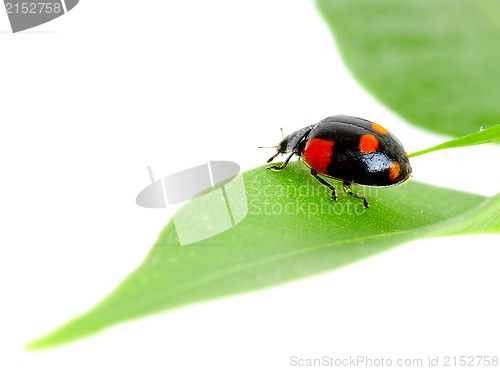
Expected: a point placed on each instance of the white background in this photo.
(90, 99)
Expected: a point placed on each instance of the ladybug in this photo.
(350, 149)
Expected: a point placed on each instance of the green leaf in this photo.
(433, 62)
(292, 230)
(490, 135)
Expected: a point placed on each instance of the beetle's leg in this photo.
(283, 165)
(327, 184)
(347, 189)
(274, 156)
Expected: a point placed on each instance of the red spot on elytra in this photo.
(368, 143)
(378, 128)
(318, 154)
(394, 171)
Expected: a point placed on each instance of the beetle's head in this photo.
(281, 148)
(291, 143)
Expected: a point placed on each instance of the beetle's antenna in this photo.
(282, 135)
(271, 147)
(278, 152)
